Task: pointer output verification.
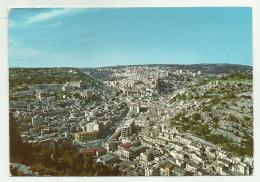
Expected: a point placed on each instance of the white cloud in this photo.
(50, 15)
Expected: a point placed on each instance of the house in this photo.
(126, 166)
(178, 154)
(227, 172)
(180, 147)
(242, 168)
(151, 171)
(177, 171)
(221, 154)
(125, 150)
(199, 158)
(111, 146)
(147, 156)
(219, 168)
(168, 169)
(191, 165)
(138, 171)
(193, 146)
(91, 151)
(124, 146)
(211, 153)
(85, 136)
(225, 162)
(180, 162)
(107, 159)
(137, 150)
(100, 152)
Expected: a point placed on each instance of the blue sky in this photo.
(110, 36)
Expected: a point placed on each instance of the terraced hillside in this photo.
(221, 112)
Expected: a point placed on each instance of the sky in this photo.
(43, 37)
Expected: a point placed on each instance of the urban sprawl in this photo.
(145, 120)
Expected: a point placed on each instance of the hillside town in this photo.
(144, 120)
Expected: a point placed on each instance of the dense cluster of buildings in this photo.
(58, 114)
(128, 124)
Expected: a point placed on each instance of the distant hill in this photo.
(30, 76)
(204, 68)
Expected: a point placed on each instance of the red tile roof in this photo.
(126, 145)
(91, 150)
(101, 150)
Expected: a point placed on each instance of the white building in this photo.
(127, 129)
(151, 171)
(91, 127)
(36, 120)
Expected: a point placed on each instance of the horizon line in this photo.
(131, 65)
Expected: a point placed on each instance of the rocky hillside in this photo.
(220, 111)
